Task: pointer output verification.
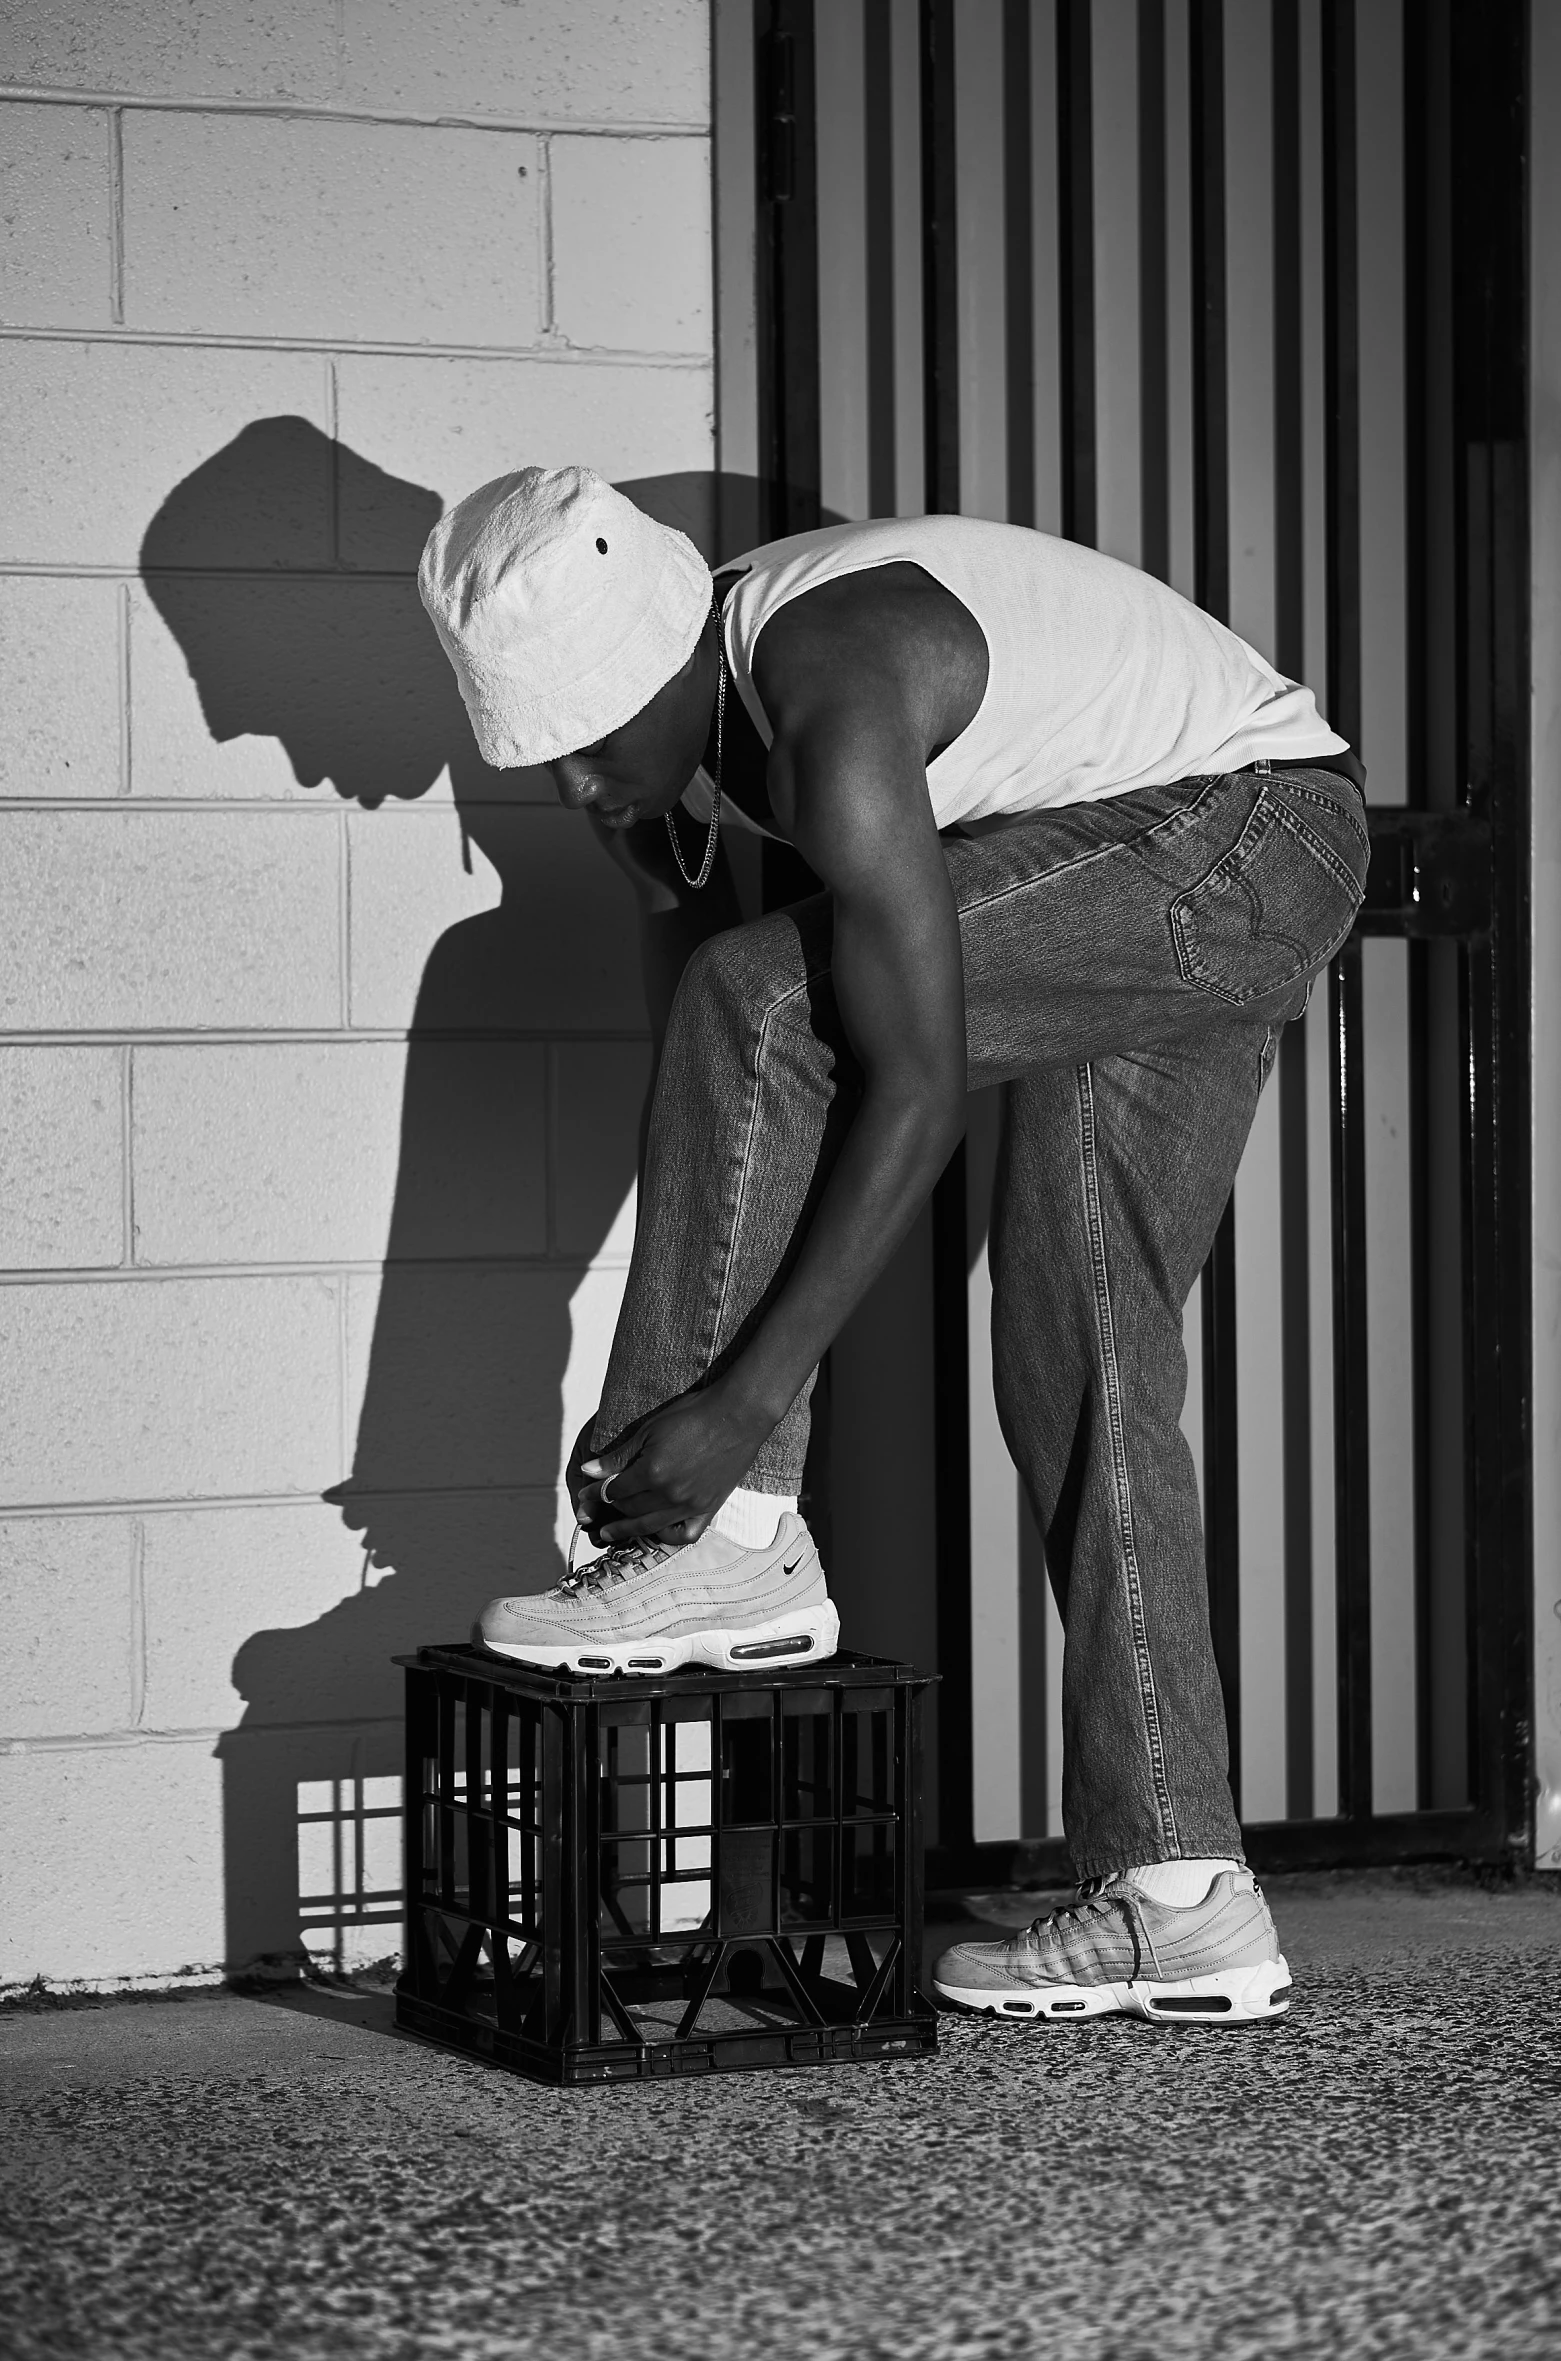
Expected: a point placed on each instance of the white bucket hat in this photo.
(563, 608)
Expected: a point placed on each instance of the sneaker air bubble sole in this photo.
(1232, 1996)
(803, 1635)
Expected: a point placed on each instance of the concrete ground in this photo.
(286, 2177)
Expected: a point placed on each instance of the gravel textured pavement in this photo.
(282, 2177)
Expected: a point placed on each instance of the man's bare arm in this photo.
(853, 786)
(847, 780)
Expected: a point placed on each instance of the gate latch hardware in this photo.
(1430, 874)
(781, 130)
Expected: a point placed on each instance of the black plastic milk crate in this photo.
(608, 1879)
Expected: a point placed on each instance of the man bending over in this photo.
(1074, 836)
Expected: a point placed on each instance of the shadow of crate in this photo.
(608, 1880)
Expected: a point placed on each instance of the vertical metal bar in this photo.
(560, 1943)
(951, 1429)
(1153, 308)
(1018, 262)
(940, 307)
(1341, 368)
(1422, 366)
(477, 1832)
(878, 160)
(911, 1855)
(1351, 1456)
(1289, 433)
(1437, 1149)
(498, 1808)
(413, 1821)
(583, 1853)
(1211, 575)
(528, 1780)
(1490, 436)
(656, 1764)
(1211, 474)
(734, 183)
(504, 1992)
(450, 1695)
(950, 1309)
(1290, 655)
(788, 253)
(1076, 268)
(1295, 1302)
(1034, 1737)
(1421, 1281)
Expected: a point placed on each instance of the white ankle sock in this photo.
(1178, 1884)
(751, 1518)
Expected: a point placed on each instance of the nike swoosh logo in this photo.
(792, 1568)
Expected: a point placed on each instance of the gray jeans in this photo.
(1128, 968)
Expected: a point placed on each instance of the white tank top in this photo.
(1099, 678)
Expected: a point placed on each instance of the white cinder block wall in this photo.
(321, 1047)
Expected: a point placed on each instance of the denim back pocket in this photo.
(1279, 904)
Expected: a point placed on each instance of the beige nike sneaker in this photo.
(1118, 1952)
(649, 1606)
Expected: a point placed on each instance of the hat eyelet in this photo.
(602, 546)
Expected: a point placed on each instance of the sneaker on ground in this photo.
(1118, 1952)
(651, 1606)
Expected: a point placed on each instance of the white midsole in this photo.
(1231, 1996)
(735, 1648)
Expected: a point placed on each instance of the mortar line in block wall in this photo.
(153, 1274)
(554, 353)
(116, 216)
(304, 111)
(88, 570)
(304, 801)
(424, 808)
(51, 1511)
(299, 1037)
(119, 1741)
(235, 804)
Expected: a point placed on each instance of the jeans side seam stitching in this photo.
(1106, 1327)
(779, 1001)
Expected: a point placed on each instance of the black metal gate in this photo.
(1449, 864)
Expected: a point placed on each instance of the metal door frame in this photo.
(1460, 875)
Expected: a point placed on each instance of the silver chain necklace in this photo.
(708, 863)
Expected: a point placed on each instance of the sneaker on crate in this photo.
(1117, 1951)
(652, 1606)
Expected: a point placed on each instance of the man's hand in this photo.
(671, 1473)
(582, 1490)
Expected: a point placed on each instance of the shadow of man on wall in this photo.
(285, 569)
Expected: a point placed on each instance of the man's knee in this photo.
(734, 980)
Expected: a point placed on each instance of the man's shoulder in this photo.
(856, 635)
